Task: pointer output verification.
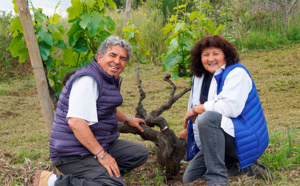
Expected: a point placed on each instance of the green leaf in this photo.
(210, 27)
(112, 4)
(51, 28)
(202, 16)
(16, 45)
(60, 44)
(110, 24)
(96, 25)
(173, 46)
(44, 35)
(39, 16)
(75, 10)
(85, 19)
(15, 6)
(56, 36)
(218, 29)
(173, 18)
(44, 50)
(49, 62)
(54, 19)
(179, 27)
(89, 3)
(60, 28)
(171, 61)
(193, 15)
(23, 55)
(74, 33)
(168, 28)
(15, 26)
(81, 46)
(207, 5)
(70, 58)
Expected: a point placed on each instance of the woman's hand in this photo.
(183, 134)
(198, 109)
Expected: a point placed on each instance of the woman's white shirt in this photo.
(82, 100)
(231, 100)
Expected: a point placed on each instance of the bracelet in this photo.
(127, 120)
(98, 153)
(102, 157)
(193, 109)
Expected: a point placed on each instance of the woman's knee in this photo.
(209, 119)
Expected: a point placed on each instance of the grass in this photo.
(24, 139)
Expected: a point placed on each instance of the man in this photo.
(84, 143)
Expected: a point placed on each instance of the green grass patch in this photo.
(283, 151)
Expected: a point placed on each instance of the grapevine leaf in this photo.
(61, 44)
(96, 24)
(49, 62)
(74, 33)
(15, 26)
(89, 3)
(44, 50)
(56, 36)
(39, 16)
(16, 45)
(75, 10)
(112, 4)
(85, 19)
(50, 28)
(110, 24)
(15, 6)
(69, 58)
(60, 28)
(81, 46)
(23, 55)
(54, 19)
(44, 35)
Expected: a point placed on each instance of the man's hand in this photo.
(110, 164)
(135, 122)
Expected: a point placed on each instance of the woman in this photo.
(225, 123)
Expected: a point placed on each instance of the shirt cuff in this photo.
(209, 106)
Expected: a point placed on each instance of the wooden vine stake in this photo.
(36, 62)
(127, 15)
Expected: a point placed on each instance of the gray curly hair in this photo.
(112, 41)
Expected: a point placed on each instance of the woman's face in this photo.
(212, 59)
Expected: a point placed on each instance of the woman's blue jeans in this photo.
(217, 153)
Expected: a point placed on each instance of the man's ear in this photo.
(98, 57)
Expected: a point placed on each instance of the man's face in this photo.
(113, 61)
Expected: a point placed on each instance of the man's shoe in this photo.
(261, 171)
(41, 178)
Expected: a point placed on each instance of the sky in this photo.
(48, 6)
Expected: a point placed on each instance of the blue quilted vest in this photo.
(250, 127)
(62, 139)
